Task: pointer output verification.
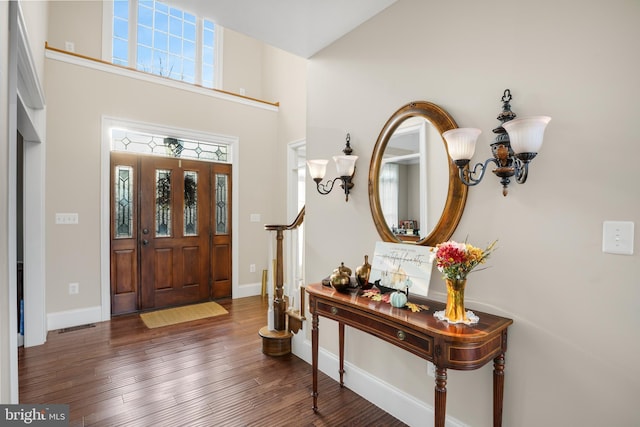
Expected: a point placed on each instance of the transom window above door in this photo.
(160, 145)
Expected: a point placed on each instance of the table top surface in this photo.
(488, 325)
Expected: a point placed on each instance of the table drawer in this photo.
(397, 334)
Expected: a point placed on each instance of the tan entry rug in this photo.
(172, 316)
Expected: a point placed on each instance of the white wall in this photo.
(573, 347)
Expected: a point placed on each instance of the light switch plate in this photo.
(617, 237)
(66, 218)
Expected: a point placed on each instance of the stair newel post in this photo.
(279, 303)
(277, 342)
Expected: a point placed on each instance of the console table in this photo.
(459, 347)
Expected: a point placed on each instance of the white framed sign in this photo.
(401, 266)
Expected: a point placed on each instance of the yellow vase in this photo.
(455, 311)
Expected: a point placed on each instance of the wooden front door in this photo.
(163, 244)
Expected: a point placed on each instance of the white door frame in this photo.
(27, 115)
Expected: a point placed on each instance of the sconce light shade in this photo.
(317, 168)
(461, 142)
(516, 144)
(345, 165)
(526, 133)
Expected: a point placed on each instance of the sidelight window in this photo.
(123, 216)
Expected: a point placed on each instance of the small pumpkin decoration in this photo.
(398, 299)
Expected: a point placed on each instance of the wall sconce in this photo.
(346, 166)
(517, 142)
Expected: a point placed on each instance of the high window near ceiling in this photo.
(156, 38)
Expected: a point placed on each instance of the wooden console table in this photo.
(457, 347)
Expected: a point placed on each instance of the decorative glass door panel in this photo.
(190, 203)
(165, 250)
(222, 197)
(221, 249)
(123, 215)
(163, 203)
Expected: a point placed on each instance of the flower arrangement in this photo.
(455, 260)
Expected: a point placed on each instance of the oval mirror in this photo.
(414, 190)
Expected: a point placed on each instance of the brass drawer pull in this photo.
(334, 310)
(401, 335)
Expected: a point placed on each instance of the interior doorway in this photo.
(170, 232)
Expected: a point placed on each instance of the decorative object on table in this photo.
(455, 261)
(362, 274)
(398, 266)
(341, 278)
(376, 295)
(398, 299)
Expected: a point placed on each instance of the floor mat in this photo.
(172, 316)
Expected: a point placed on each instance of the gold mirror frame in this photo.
(457, 191)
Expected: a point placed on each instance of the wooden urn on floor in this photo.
(275, 343)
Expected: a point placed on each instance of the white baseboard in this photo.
(394, 401)
(247, 290)
(71, 318)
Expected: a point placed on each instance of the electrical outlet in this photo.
(70, 46)
(74, 288)
(252, 268)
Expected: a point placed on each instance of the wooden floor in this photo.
(209, 372)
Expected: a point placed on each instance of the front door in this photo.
(163, 246)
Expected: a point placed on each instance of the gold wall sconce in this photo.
(517, 142)
(346, 166)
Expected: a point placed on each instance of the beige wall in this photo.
(80, 22)
(573, 348)
(79, 97)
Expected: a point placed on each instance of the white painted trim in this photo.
(396, 402)
(9, 372)
(28, 82)
(218, 76)
(151, 78)
(105, 218)
(247, 290)
(107, 29)
(35, 327)
(70, 318)
(235, 219)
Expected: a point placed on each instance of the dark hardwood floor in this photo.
(209, 372)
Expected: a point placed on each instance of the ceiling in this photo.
(301, 27)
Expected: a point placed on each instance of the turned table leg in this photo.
(341, 345)
(441, 396)
(314, 359)
(498, 389)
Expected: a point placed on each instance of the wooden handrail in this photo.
(279, 305)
